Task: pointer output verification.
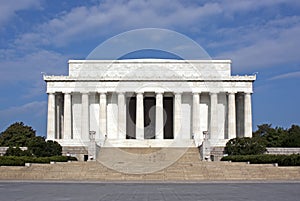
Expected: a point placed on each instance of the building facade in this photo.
(148, 102)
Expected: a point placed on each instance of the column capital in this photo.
(231, 92)
(139, 92)
(196, 92)
(102, 91)
(102, 94)
(84, 92)
(120, 92)
(159, 92)
(214, 92)
(66, 92)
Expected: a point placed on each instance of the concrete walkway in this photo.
(155, 191)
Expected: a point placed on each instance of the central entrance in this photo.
(149, 117)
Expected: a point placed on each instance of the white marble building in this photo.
(148, 102)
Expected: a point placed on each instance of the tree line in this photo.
(20, 135)
(264, 136)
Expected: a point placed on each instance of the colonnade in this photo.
(159, 115)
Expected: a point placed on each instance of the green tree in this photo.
(293, 137)
(16, 134)
(263, 130)
(16, 151)
(245, 146)
(41, 148)
(20, 135)
(271, 137)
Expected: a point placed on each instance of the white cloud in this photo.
(250, 45)
(271, 44)
(36, 108)
(30, 66)
(237, 6)
(8, 8)
(114, 16)
(32, 113)
(286, 76)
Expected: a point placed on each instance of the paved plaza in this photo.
(44, 191)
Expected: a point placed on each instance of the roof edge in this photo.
(150, 61)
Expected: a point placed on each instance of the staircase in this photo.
(150, 164)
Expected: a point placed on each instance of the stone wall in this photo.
(218, 152)
(75, 151)
(283, 150)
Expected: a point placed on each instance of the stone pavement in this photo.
(46, 191)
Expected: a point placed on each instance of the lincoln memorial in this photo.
(148, 103)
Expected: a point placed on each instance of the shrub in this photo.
(41, 148)
(21, 160)
(282, 160)
(245, 146)
(16, 151)
(11, 161)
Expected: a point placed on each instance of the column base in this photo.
(218, 142)
(149, 143)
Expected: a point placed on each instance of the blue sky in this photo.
(41, 36)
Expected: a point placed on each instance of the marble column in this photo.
(102, 115)
(159, 117)
(247, 115)
(67, 116)
(85, 117)
(51, 117)
(231, 116)
(177, 118)
(121, 116)
(213, 132)
(196, 115)
(139, 116)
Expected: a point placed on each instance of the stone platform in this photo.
(187, 168)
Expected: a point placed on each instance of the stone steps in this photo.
(151, 164)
